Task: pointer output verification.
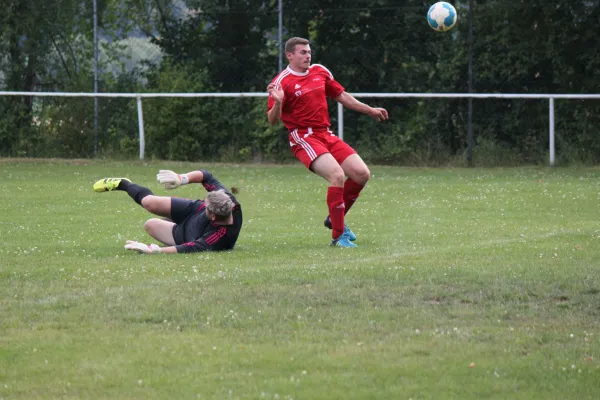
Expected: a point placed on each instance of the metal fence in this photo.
(340, 111)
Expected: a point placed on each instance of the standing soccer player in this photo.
(191, 225)
(298, 98)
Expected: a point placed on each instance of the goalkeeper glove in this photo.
(170, 179)
(143, 248)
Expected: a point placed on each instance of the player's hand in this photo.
(142, 248)
(275, 92)
(170, 179)
(380, 114)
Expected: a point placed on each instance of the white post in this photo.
(551, 124)
(141, 126)
(280, 34)
(95, 41)
(340, 121)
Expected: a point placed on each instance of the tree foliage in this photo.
(370, 46)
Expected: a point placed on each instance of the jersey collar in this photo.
(297, 73)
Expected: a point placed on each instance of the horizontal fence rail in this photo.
(263, 94)
(139, 96)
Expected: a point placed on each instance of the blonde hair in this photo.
(219, 203)
(290, 45)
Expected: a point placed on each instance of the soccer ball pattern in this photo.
(441, 16)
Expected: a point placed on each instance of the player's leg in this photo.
(160, 230)
(311, 150)
(158, 205)
(358, 174)
(177, 210)
(327, 167)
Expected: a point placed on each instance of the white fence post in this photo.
(141, 126)
(340, 121)
(551, 128)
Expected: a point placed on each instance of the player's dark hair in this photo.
(290, 45)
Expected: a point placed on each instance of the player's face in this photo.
(300, 58)
(211, 216)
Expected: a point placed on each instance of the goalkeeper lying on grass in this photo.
(192, 225)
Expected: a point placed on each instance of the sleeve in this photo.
(211, 183)
(213, 240)
(333, 88)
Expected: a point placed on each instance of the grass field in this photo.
(467, 283)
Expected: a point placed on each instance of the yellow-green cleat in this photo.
(108, 184)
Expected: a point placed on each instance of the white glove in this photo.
(143, 248)
(170, 179)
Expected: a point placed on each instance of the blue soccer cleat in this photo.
(347, 231)
(343, 241)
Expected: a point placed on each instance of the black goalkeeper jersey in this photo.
(194, 231)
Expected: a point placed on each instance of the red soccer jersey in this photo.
(305, 97)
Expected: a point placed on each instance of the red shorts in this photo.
(308, 144)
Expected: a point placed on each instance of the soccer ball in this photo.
(441, 16)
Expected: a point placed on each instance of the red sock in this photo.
(351, 193)
(335, 202)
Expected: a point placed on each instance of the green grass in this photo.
(496, 267)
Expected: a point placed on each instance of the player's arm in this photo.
(211, 241)
(193, 247)
(274, 114)
(195, 176)
(349, 101)
(172, 180)
(169, 250)
(275, 103)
